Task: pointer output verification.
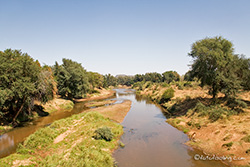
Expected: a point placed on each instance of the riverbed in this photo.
(149, 140)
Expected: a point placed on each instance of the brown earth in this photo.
(99, 103)
(115, 112)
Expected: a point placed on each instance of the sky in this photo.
(121, 36)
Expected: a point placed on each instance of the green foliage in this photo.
(185, 130)
(170, 76)
(147, 85)
(72, 79)
(103, 133)
(125, 80)
(95, 79)
(188, 76)
(138, 78)
(215, 65)
(109, 80)
(228, 145)
(214, 112)
(167, 95)
(23, 80)
(234, 103)
(153, 77)
(164, 85)
(246, 138)
(79, 148)
(43, 137)
(121, 144)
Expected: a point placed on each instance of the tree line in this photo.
(23, 80)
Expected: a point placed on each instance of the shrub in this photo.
(188, 84)
(228, 145)
(236, 103)
(246, 138)
(103, 133)
(180, 86)
(185, 130)
(147, 85)
(167, 95)
(92, 91)
(248, 151)
(164, 84)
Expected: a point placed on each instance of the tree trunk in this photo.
(19, 111)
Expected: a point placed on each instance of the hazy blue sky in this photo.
(121, 36)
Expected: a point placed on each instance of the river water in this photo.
(149, 140)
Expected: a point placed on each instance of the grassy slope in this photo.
(68, 142)
(210, 136)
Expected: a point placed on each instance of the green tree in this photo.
(139, 78)
(243, 70)
(72, 80)
(214, 65)
(153, 76)
(22, 80)
(170, 76)
(188, 76)
(95, 79)
(125, 80)
(109, 80)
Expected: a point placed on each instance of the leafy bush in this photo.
(167, 95)
(188, 84)
(103, 133)
(214, 112)
(246, 138)
(228, 145)
(236, 103)
(164, 84)
(92, 91)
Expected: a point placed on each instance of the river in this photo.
(149, 140)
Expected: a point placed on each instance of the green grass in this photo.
(5, 129)
(78, 147)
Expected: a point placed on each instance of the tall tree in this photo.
(72, 80)
(95, 79)
(153, 76)
(109, 80)
(21, 82)
(214, 65)
(170, 76)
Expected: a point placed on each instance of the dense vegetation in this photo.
(216, 65)
(24, 80)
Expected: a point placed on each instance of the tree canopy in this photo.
(72, 79)
(170, 76)
(22, 80)
(215, 65)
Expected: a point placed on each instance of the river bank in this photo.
(70, 141)
(217, 135)
(57, 104)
